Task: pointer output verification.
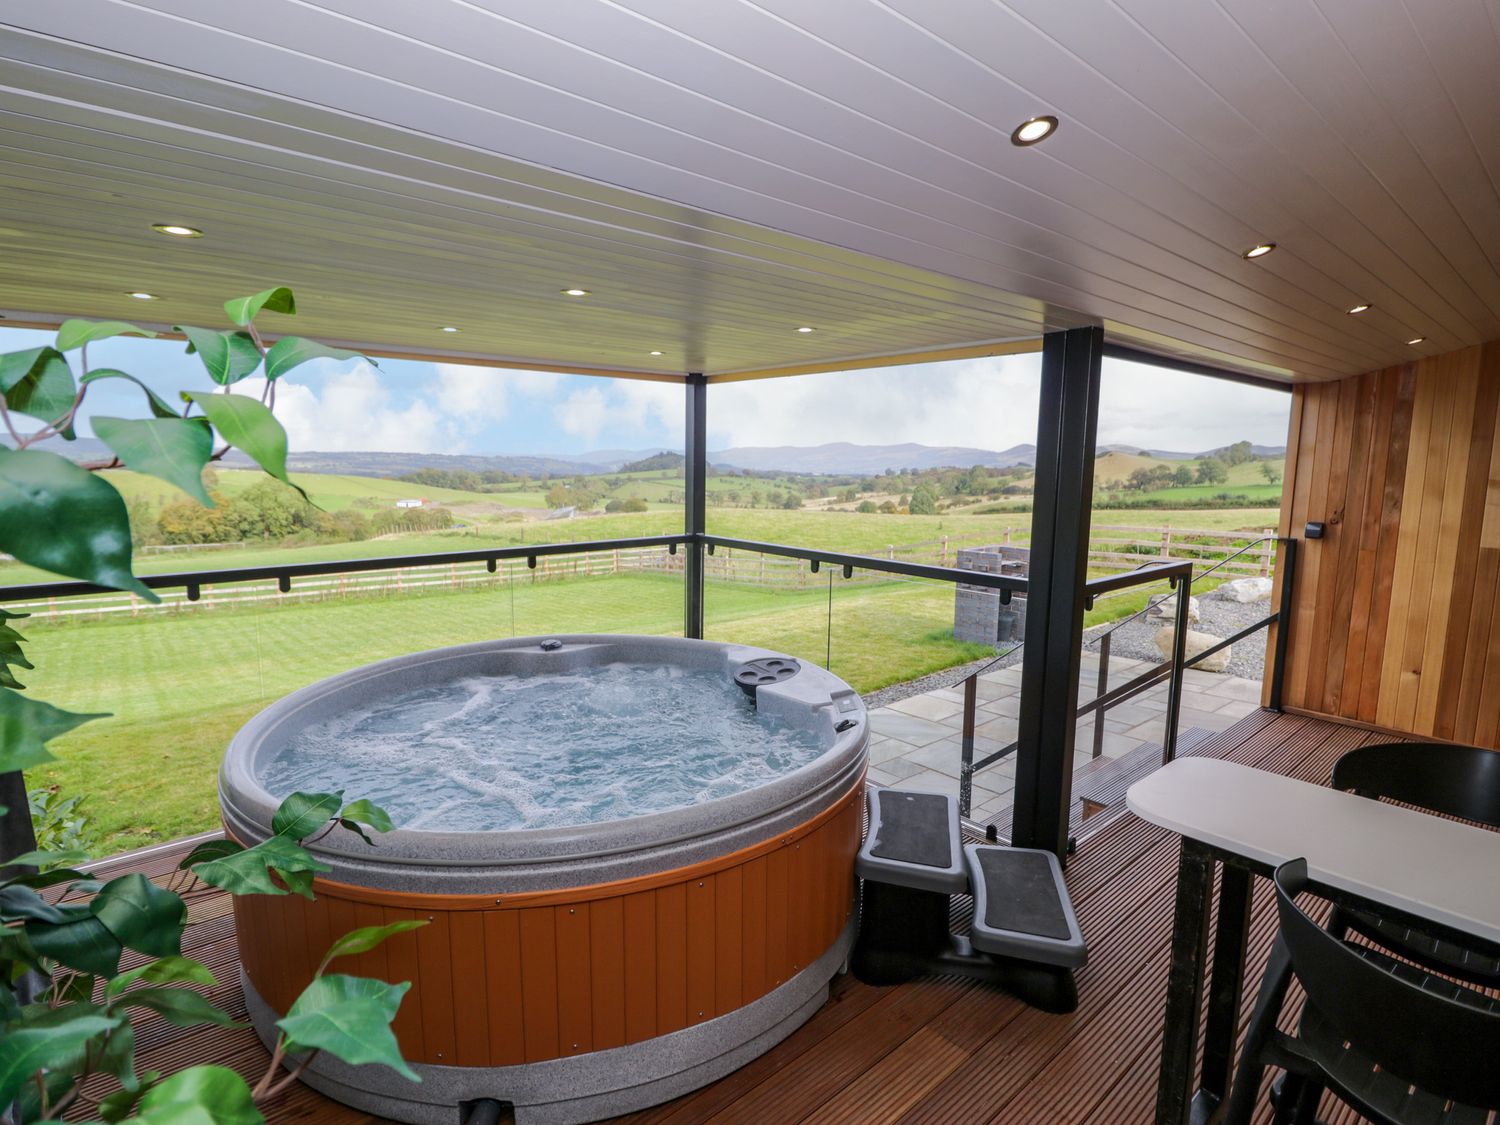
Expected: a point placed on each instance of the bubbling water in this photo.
(488, 753)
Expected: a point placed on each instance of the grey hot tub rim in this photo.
(549, 858)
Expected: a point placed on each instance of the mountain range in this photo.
(840, 458)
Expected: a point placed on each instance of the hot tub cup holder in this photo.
(755, 674)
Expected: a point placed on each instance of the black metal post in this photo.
(695, 486)
(1179, 1052)
(1231, 937)
(966, 747)
(1179, 654)
(1067, 426)
(1286, 570)
(16, 835)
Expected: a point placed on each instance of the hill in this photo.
(842, 457)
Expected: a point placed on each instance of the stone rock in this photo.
(1167, 609)
(1196, 643)
(1246, 590)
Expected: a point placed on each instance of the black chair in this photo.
(1461, 781)
(1394, 1042)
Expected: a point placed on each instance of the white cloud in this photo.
(988, 404)
(473, 396)
(583, 413)
(352, 410)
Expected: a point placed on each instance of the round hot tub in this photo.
(634, 854)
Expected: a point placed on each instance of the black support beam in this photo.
(1067, 427)
(695, 485)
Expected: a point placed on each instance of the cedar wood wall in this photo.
(1394, 621)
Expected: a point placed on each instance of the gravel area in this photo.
(1218, 616)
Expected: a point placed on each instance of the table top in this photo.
(1437, 869)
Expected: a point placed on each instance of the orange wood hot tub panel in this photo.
(547, 974)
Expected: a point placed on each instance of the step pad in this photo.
(1021, 906)
(913, 842)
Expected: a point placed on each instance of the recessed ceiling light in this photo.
(1259, 250)
(176, 230)
(1416, 339)
(1354, 310)
(1034, 130)
(143, 296)
(804, 328)
(654, 353)
(449, 328)
(575, 292)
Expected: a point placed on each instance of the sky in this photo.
(407, 406)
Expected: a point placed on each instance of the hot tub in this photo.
(597, 942)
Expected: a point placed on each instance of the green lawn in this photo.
(180, 684)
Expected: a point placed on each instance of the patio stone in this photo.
(908, 728)
(884, 749)
(927, 706)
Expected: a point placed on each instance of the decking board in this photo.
(937, 1051)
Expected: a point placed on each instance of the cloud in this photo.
(352, 410)
(583, 413)
(471, 397)
(988, 403)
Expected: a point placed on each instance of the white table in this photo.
(1442, 874)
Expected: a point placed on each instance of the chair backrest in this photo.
(1455, 780)
(1445, 1044)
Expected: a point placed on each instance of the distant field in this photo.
(180, 685)
(330, 492)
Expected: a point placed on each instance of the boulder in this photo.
(1196, 643)
(1246, 590)
(1167, 608)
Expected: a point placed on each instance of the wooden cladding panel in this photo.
(497, 985)
(1393, 619)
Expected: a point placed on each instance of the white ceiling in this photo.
(718, 172)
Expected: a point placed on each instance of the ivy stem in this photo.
(292, 1077)
(263, 1087)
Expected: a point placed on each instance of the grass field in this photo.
(180, 685)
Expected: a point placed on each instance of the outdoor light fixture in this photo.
(449, 328)
(804, 328)
(575, 292)
(176, 230)
(143, 296)
(1259, 250)
(1416, 340)
(1034, 130)
(654, 353)
(1359, 308)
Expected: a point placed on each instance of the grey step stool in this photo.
(1025, 937)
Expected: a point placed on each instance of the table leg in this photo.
(1231, 936)
(1179, 1048)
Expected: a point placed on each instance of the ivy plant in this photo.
(67, 1007)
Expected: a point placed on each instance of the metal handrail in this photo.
(194, 580)
(1006, 584)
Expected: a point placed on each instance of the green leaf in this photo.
(302, 814)
(249, 872)
(48, 878)
(141, 915)
(366, 939)
(242, 310)
(40, 1044)
(158, 404)
(350, 1018)
(82, 942)
(166, 970)
(293, 351)
(121, 1104)
(75, 333)
(216, 1091)
(365, 811)
(39, 383)
(118, 1056)
(210, 849)
(21, 902)
(248, 426)
(58, 517)
(50, 859)
(26, 725)
(172, 449)
(180, 1006)
(227, 356)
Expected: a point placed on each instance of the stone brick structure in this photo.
(978, 614)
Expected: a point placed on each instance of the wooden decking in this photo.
(942, 1051)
